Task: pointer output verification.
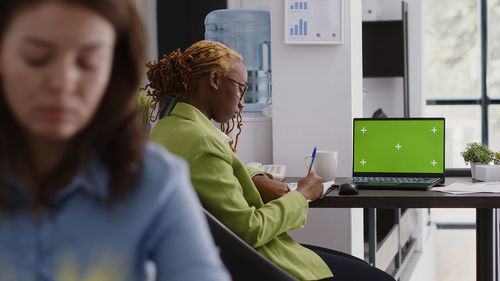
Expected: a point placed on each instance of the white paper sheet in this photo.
(468, 187)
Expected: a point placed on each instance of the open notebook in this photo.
(327, 186)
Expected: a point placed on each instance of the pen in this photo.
(312, 161)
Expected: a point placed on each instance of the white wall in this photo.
(316, 93)
(147, 9)
(387, 93)
(255, 140)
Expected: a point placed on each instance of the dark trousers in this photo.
(348, 268)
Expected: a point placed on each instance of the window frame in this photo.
(484, 101)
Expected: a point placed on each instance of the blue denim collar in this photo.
(93, 179)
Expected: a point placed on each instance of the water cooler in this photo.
(248, 32)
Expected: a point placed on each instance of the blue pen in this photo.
(312, 161)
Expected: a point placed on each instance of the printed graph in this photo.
(313, 22)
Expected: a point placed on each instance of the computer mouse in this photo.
(348, 188)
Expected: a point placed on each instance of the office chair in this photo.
(243, 262)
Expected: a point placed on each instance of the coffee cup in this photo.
(325, 164)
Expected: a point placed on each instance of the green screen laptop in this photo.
(398, 153)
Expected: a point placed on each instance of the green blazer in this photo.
(226, 190)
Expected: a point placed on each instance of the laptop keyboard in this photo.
(393, 180)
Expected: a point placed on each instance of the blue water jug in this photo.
(248, 32)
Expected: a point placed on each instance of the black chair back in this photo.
(243, 262)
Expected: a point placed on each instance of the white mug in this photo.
(325, 164)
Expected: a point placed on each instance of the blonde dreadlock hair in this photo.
(177, 74)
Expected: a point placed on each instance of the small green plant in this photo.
(144, 104)
(477, 153)
(496, 159)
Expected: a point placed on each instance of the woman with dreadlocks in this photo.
(209, 80)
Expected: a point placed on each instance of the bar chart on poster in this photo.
(310, 22)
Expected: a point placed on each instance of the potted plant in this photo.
(496, 159)
(477, 153)
(144, 104)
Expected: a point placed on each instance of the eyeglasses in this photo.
(241, 86)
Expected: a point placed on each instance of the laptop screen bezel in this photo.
(378, 174)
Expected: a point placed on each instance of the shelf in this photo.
(394, 245)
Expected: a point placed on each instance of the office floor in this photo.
(455, 255)
(455, 248)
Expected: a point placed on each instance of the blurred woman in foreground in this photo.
(81, 194)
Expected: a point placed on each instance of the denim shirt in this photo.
(84, 238)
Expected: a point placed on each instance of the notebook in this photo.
(327, 187)
(398, 153)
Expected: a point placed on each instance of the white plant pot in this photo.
(487, 172)
(473, 170)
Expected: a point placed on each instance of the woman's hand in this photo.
(311, 186)
(269, 189)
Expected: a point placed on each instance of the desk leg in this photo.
(372, 235)
(484, 245)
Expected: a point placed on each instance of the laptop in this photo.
(398, 153)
